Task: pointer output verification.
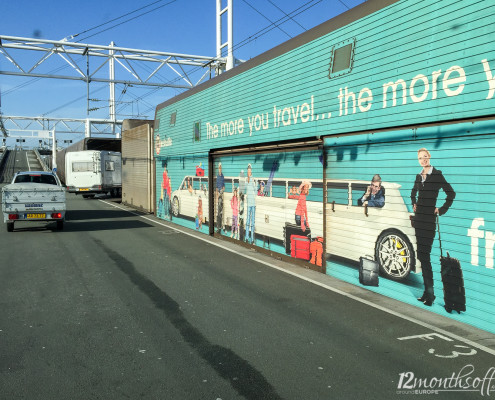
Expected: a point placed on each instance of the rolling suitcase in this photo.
(368, 271)
(454, 294)
(316, 249)
(299, 247)
(293, 229)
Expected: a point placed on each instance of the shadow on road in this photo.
(81, 215)
(87, 226)
(81, 226)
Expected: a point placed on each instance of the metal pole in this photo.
(111, 64)
(87, 85)
(219, 33)
(54, 152)
(230, 35)
(87, 132)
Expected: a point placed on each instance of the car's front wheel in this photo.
(395, 254)
(175, 206)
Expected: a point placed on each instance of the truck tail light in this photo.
(56, 215)
(13, 216)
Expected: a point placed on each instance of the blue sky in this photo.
(180, 26)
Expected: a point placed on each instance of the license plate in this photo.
(83, 190)
(35, 216)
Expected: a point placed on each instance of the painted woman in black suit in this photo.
(424, 198)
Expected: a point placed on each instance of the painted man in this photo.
(374, 195)
(251, 192)
(219, 190)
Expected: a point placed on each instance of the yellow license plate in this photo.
(83, 190)
(35, 216)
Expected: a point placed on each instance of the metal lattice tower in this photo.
(186, 71)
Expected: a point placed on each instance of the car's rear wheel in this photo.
(395, 254)
(60, 225)
(10, 227)
(175, 206)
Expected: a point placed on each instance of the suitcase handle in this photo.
(439, 237)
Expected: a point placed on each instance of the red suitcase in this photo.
(300, 247)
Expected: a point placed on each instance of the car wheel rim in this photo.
(395, 256)
(176, 207)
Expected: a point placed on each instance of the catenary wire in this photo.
(264, 16)
(283, 12)
(127, 20)
(115, 19)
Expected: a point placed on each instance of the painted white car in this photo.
(384, 233)
(185, 200)
(352, 231)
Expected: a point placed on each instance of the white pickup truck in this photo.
(34, 196)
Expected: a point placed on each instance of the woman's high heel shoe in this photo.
(422, 298)
(429, 302)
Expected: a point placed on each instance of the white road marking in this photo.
(27, 159)
(348, 295)
(426, 336)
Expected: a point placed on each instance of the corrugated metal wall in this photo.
(464, 155)
(137, 172)
(415, 61)
(181, 185)
(418, 65)
(258, 197)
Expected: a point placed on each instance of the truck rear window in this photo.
(49, 179)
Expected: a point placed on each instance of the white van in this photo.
(90, 172)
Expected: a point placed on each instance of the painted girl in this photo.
(301, 210)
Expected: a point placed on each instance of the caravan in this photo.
(91, 172)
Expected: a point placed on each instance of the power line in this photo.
(72, 101)
(264, 16)
(243, 42)
(33, 80)
(127, 20)
(284, 19)
(345, 5)
(115, 19)
(283, 12)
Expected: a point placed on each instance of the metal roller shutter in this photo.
(464, 155)
(137, 168)
(258, 195)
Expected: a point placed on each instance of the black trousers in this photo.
(425, 229)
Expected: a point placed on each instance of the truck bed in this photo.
(33, 201)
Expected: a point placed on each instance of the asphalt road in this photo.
(122, 306)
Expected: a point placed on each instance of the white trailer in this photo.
(34, 196)
(90, 172)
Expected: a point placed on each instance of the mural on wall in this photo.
(390, 195)
(182, 189)
(421, 215)
(274, 201)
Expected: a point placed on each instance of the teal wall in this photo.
(464, 154)
(443, 54)
(414, 41)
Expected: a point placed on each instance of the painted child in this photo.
(199, 221)
(234, 203)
